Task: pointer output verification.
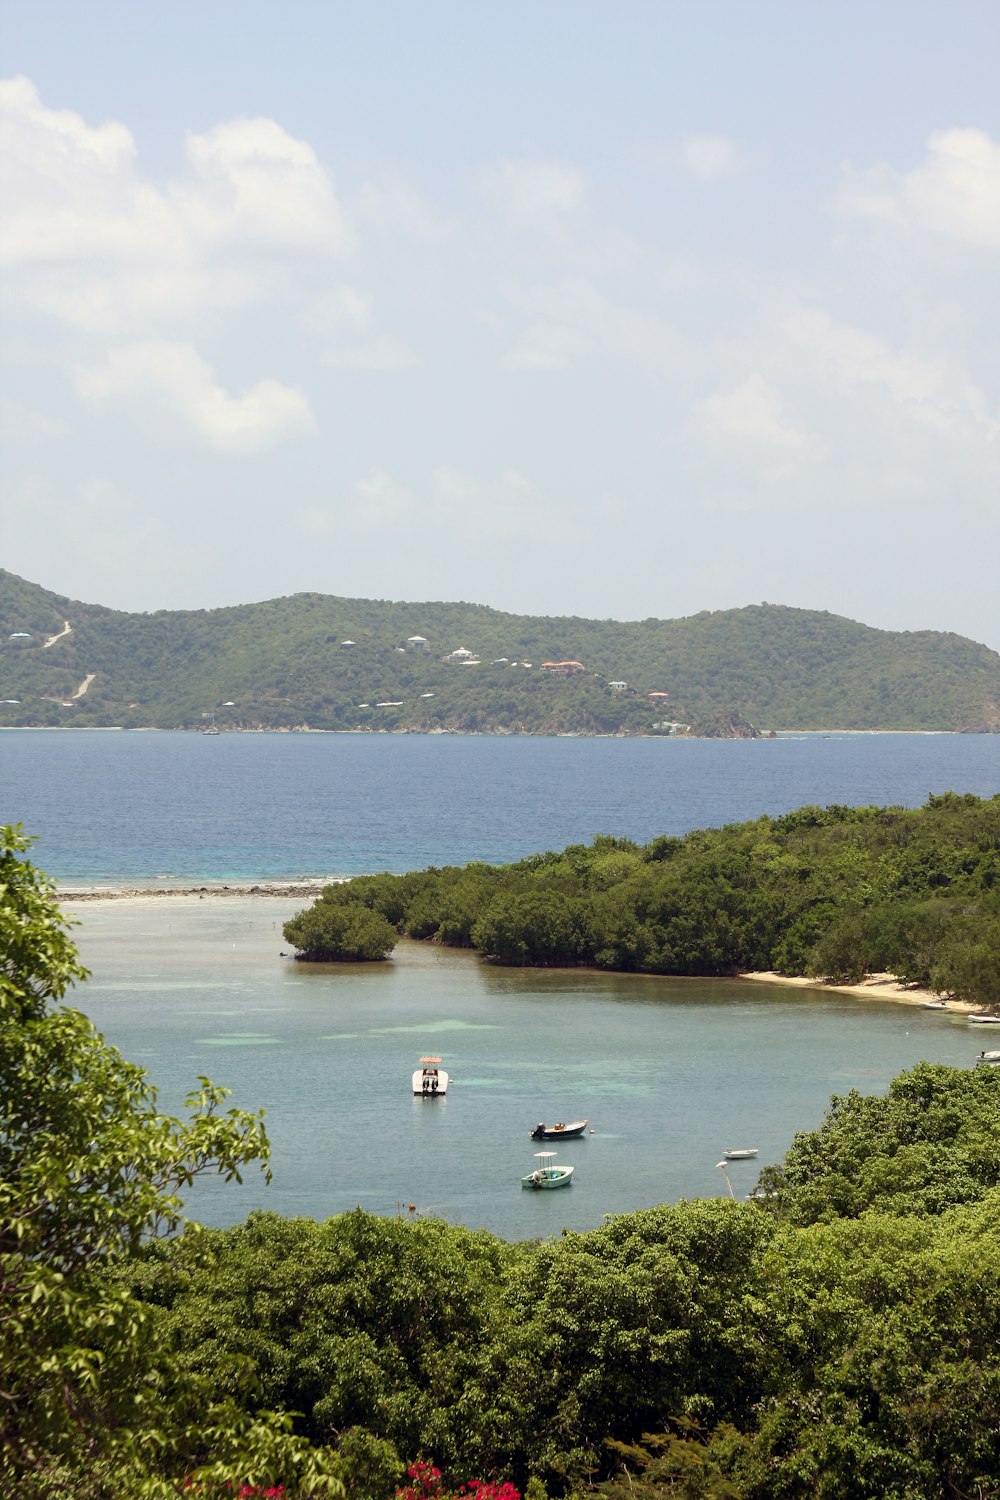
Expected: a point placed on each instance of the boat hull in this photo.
(436, 1085)
(547, 1178)
(747, 1154)
(559, 1132)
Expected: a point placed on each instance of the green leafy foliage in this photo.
(832, 892)
(91, 1405)
(347, 933)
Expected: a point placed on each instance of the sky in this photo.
(563, 307)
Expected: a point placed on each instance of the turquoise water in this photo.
(669, 1072)
(243, 807)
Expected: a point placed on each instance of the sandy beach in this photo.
(872, 987)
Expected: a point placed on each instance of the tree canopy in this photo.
(91, 1401)
(831, 892)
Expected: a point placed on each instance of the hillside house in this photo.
(618, 687)
(461, 657)
(417, 643)
(561, 668)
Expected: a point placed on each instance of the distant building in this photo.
(562, 668)
(618, 687)
(657, 697)
(461, 657)
(417, 643)
(20, 635)
(348, 643)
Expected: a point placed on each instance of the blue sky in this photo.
(564, 308)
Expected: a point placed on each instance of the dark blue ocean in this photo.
(141, 807)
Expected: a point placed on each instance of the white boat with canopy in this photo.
(430, 1080)
(547, 1174)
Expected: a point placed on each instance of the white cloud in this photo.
(753, 410)
(954, 192)
(131, 297)
(535, 189)
(156, 378)
(257, 183)
(710, 156)
(572, 321)
(860, 358)
(930, 390)
(343, 317)
(88, 240)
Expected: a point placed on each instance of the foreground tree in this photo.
(92, 1402)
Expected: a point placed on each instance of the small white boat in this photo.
(741, 1153)
(933, 1005)
(988, 1060)
(430, 1080)
(547, 1174)
(983, 1020)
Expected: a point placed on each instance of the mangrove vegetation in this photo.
(829, 892)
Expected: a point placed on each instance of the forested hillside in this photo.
(317, 661)
(834, 892)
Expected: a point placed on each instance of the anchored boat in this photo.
(558, 1132)
(547, 1174)
(430, 1080)
(741, 1153)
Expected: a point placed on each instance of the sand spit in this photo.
(872, 987)
(292, 889)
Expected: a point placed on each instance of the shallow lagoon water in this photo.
(669, 1071)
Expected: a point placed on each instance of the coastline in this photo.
(771, 732)
(872, 987)
(266, 889)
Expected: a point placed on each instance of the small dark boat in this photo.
(558, 1132)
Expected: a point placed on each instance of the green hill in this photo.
(285, 663)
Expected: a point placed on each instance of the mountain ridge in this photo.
(312, 660)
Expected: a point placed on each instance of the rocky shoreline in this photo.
(295, 889)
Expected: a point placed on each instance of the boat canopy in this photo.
(430, 1059)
